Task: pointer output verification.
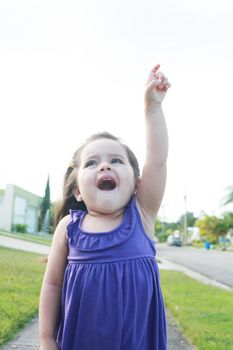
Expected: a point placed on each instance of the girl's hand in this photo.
(156, 87)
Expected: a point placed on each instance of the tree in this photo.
(227, 221)
(191, 219)
(45, 206)
(158, 227)
(163, 229)
(210, 227)
(228, 198)
(53, 212)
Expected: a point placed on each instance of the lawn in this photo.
(41, 239)
(20, 282)
(204, 313)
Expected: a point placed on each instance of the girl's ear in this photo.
(79, 198)
(137, 184)
(77, 195)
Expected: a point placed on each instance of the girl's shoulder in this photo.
(61, 229)
(64, 221)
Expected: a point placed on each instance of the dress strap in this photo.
(75, 216)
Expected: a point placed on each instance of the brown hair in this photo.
(70, 184)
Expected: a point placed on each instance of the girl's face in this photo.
(105, 177)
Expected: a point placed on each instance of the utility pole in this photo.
(163, 215)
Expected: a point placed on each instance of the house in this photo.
(18, 206)
(194, 233)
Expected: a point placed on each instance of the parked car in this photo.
(174, 240)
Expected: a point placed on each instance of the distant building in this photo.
(194, 233)
(18, 206)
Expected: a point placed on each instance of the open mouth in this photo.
(106, 183)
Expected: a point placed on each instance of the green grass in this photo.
(41, 239)
(20, 281)
(204, 313)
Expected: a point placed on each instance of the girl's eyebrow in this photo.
(91, 156)
(97, 155)
(117, 155)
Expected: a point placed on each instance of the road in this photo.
(216, 265)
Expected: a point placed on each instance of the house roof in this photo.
(33, 199)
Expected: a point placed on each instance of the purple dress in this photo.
(111, 296)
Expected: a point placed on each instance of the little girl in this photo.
(101, 288)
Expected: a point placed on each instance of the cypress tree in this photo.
(45, 205)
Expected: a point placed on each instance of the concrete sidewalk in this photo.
(29, 338)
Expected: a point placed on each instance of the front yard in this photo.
(20, 282)
(204, 313)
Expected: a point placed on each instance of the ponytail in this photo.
(69, 201)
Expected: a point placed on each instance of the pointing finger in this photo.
(156, 68)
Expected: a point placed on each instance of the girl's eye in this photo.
(116, 160)
(90, 163)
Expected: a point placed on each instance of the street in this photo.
(216, 265)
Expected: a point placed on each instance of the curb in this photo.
(165, 264)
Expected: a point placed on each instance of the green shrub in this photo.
(22, 228)
(162, 237)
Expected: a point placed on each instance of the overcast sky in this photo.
(72, 68)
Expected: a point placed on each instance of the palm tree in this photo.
(229, 196)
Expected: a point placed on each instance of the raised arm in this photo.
(151, 187)
(50, 298)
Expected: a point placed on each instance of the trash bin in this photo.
(207, 245)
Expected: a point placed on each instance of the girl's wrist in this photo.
(48, 344)
(153, 108)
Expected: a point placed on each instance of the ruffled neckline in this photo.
(104, 232)
(88, 241)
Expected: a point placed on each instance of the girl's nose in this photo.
(105, 166)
